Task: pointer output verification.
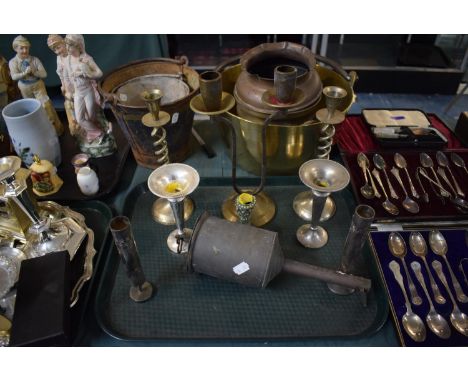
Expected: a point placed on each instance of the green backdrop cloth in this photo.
(109, 51)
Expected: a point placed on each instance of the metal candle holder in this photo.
(121, 229)
(156, 119)
(174, 182)
(323, 177)
(45, 235)
(284, 88)
(329, 117)
(351, 260)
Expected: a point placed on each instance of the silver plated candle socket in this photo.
(322, 176)
(329, 116)
(351, 260)
(121, 229)
(173, 182)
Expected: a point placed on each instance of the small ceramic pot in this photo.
(87, 181)
(31, 131)
(79, 161)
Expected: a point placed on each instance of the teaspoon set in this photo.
(412, 323)
(425, 171)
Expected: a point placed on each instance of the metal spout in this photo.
(328, 275)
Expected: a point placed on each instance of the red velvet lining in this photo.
(353, 136)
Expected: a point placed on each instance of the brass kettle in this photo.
(257, 78)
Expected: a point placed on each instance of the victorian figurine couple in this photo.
(78, 74)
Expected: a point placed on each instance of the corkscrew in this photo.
(324, 147)
(330, 116)
(156, 118)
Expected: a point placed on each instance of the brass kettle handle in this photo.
(336, 67)
(229, 61)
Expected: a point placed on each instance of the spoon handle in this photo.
(415, 298)
(456, 285)
(416, 267)
(413, 189)
(435, 288)
(397, 176)
(395, 268)
(393, 194)
(375, 172)
(437, 266)
(376, 191)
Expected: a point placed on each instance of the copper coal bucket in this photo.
(288, 143)
(122, 88)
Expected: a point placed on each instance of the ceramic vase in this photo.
(31, 131)
(87, 181)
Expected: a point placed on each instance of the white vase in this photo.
(87, 181)
(31, 131)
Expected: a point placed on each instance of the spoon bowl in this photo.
(390, 207)
(442, 159)
(426, 160)
(410, 205)
(414, 326)
(400, 160)
(458, 161)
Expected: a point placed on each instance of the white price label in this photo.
(175, 118)
(241, 268)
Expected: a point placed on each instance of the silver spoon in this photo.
(412, 323)
(443, 162)
(387, 204)
(397, 247)
(458, 319)
(379, 162)
(366, 190)
(419, 248)
(439, 247)
(400, 161)
(408, 203)
(458, 161)
(436, 323)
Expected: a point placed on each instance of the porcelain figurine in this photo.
(88, 181)
(80, 75)
(29, 72)
(45, 180)
(56, 43)
(4, 82)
